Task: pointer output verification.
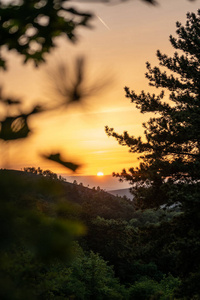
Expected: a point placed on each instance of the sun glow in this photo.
(100, 174)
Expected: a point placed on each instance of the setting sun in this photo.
(100, 174)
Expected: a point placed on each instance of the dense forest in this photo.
(65, 241)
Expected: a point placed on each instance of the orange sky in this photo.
(136, 31)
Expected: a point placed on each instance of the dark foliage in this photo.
(30, 28)
(169, 173)
(170, 153)
(40, 218)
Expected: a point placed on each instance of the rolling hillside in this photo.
(93, 202)
(122, 193)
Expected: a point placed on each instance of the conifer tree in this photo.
(169, 170)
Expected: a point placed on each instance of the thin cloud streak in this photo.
(102, 21)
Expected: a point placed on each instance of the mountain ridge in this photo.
(92, 202)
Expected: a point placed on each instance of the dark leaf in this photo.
(57, 158)
(13, 128)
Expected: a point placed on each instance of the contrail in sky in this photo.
(100, 19)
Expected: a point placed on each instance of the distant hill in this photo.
(106, 182)
(121, 193)
(92, 202)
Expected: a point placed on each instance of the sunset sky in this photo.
(123, 38)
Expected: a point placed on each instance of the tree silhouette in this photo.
(169, 171)
(170, 152)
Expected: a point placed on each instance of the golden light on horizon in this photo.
(100, 174)
(79, 132)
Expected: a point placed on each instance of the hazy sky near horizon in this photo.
(123, 38)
